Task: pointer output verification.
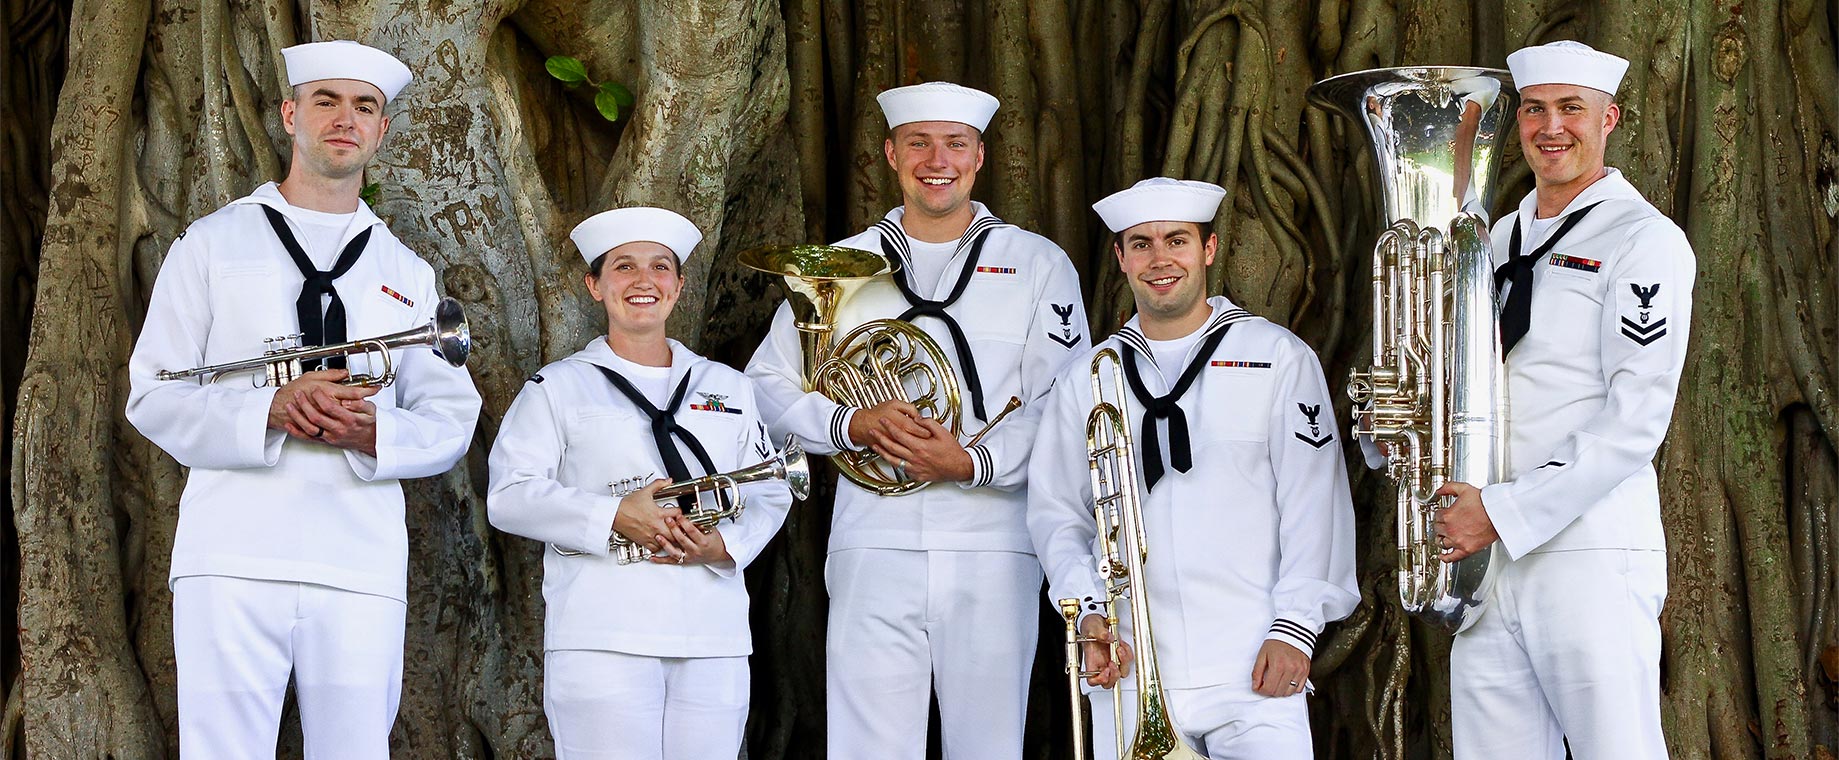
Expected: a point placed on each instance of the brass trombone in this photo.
(1117, 506)
(717, 497)
(281, 363)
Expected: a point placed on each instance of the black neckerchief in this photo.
(1167, 406)
(975, 236)
(1516, 314)
(664, 425)
(315, 329)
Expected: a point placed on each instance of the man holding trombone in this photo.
(291, 554)
(1241, 535)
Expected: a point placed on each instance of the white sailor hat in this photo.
(937, 101)
(1160, 199)
(608, 230)
(1566, 62)
(344, 59)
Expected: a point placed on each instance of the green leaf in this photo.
(566, 68)
(369, 193)
(620, 94)
(608, 105)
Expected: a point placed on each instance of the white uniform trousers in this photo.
(904, 624)
(1220, 722)
(1568, 650)
(614, 706)
(237, 639)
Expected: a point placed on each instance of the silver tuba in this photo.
(283, 361)
(1435, 392)
(1117, 505)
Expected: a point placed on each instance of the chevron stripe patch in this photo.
(1644, 334)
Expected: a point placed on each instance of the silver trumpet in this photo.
(1117, 505)
(717, 497)
(281, 363)
(1435, 393)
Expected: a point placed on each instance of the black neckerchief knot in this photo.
(1516, 315)
(923, 307)
(1168, 407)
(664, 425)
(317, 329)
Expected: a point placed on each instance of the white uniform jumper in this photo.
(1253, 541)
(1570, 647)
(290, 555)
(645, 660)
(938, 589)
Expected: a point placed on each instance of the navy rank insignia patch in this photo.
(1575, 262)
(1315, 437)
(1066, 337)
(714, 402)
(536, 378)
(1644, 329)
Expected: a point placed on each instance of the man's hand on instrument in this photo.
(336, 415)
(277, 408)
(933, 457)
(642, 520)
(1280, 670)
(1463, 527)
(1098, 653)
(866, 423)
(686, 544)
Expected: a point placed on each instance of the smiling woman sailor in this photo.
(636, 408)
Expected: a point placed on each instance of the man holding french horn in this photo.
(291, 553)
(933, 587)
(1597, 301)
(1243, 509)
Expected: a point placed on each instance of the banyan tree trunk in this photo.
(125, 119)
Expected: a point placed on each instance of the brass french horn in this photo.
(876, 361)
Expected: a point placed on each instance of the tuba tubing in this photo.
(1433, 392)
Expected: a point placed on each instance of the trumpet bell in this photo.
(453, 340)
(795, 469)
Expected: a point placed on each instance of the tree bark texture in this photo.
(126, 119)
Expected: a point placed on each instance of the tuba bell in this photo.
(1117, 506)
(1434, 393)
(877, 361)
(285, 360)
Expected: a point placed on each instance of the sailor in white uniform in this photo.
(291, 555)
(1248, 521)
(1597, 303)
(645, 660)
(937, 590)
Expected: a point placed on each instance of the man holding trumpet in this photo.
(936, 589)
(1243, 495)
(291, 554)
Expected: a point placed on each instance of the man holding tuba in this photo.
(643, 659)
(291, 552)
(937, 589)
(1598, 295)
(1244, 504)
